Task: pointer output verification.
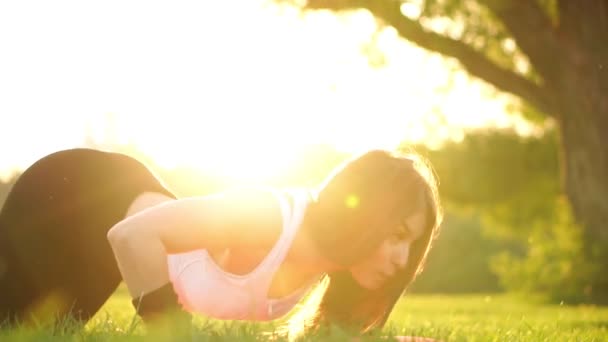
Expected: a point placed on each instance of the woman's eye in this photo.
(402, 234)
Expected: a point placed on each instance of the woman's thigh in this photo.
(53, 229)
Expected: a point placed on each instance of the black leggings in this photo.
(55, 259)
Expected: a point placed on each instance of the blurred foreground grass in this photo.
(449, 318)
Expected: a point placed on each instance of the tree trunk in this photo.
(583, 96)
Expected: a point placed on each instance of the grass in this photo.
(498, 318)
(449, 318)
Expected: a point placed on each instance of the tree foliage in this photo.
(554, 263)
(528, 236)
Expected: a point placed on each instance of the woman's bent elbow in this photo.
(117, 235)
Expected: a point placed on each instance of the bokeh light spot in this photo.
(352, 201)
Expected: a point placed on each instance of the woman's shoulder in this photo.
(254, 197)
(245, 200)
(258, 213)
(249, 215)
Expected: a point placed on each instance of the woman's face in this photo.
(392, 255)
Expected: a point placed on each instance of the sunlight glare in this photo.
(235, 91)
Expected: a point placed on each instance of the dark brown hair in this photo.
(356, 209)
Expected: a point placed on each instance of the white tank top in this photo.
(204, 287)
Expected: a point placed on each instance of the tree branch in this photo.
(473, 61)
(534, 33)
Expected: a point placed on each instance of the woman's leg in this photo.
(53, 229)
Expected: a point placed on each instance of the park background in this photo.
(507, 100)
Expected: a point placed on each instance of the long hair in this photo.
(356, 209)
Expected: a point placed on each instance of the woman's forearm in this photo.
(141, 258)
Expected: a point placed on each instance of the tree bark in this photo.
(583, 122)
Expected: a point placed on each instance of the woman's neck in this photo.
(307, 255)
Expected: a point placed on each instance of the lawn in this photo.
(450, 318)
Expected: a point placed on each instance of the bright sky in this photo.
(198, 82)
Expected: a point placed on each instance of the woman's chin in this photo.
(370, 282)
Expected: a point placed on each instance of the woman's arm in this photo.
(141, 242)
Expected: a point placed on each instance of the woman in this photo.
(247, 254)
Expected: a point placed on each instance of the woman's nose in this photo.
(401, 254)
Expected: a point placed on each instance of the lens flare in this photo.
(352, 201)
